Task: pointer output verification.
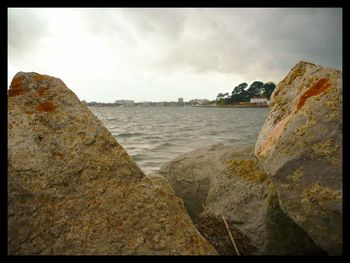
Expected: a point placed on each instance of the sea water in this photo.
(155, 135)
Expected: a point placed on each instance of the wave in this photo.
(139, 156)
(233, 140)
(132, 134)
(109, 119)
(153, 138)
(164, 145)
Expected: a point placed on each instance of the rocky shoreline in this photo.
(73, 190)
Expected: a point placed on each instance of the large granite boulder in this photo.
(300, 148)
(72, 189)
(229, 182)
(189, 174)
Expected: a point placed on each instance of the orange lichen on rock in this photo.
(39, 77)
(316, 89)
(42, 90)
(46, 106)
(274, 135)
(16, 87)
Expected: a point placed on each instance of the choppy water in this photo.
(155, 135)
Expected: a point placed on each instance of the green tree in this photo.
(267, 89)
(219, 96)
(239, 93)
(227, 98)
(220, 99)
(254, 89)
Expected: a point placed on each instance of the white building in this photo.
(258, 100)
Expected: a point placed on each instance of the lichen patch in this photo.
(320, 194)
(41, 91)
(46, 107)
(273, 136)
(16, 87)
(39, 77)
(296, 175)
(322, 85)
(247, 169)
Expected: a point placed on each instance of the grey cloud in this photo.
(225, 40)
(25, 29)
(163, 22)
(240, 41)
(236, 40)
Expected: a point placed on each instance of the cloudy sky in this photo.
(157, 54)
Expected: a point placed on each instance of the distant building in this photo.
(125, 102)
(180, 100)
(199, 101)
(259, 100)
(145, 103)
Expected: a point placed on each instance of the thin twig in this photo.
(205, 209)
(230, 234)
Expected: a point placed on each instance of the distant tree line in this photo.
(145, 104)
(243, 94)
